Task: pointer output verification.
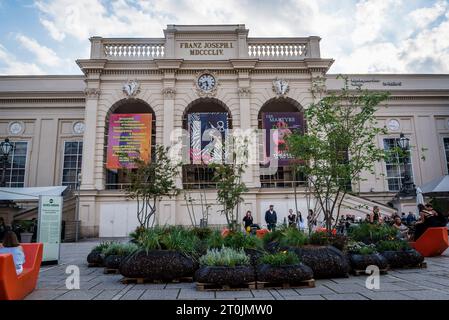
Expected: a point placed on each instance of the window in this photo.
(73, 151)
(15, 167)
(446, 150)
(395, 166)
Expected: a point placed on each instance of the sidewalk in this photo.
(410, 284)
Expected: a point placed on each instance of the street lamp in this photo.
(5, 148)
(408, 187)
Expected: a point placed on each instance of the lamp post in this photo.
(5, 148)
(407, 186)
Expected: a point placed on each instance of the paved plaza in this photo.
(410, 284)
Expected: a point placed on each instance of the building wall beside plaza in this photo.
(56, 113)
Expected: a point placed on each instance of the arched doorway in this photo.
(206, 113)
(118, 178)
(284, 176)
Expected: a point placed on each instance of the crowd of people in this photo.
(409, 226)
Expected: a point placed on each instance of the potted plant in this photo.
(362, 255)
(282, 268)
(372, 233)
(399, 254)
(96, 256)
(116, 252)
(225, 266)
(252, 245)
(164, 254)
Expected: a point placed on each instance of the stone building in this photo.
(60, 124)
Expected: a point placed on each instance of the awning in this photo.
(439, 185)
(24, 194)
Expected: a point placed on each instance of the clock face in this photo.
(393, 125)
(206, 82)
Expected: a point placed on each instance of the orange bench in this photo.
(433, 242)
(261, 233)
(16, 287)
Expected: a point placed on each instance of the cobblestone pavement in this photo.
(410, 284)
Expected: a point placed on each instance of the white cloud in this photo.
(12, 66)
(361, 35)
(44, 55)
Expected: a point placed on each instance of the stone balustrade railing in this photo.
(275, 49)
(128, 49)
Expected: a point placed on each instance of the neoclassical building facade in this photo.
(61, 125)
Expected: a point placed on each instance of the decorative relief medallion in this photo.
(280, 87)
(244, 92)
(16, 127)
(78, 127)
(393, 125)
(168, 93)
(92, 92)
(206, 84)
(131, 88)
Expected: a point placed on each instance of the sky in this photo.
(363, 36)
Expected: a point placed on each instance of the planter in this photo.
(283, 274)
(254, 255)
(163, 265)
(113, 261)
(95, 259)
(325, 261)
(362, 261)
(25, 237)
(231, 276)
(403, 259)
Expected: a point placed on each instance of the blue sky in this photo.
(363, 36)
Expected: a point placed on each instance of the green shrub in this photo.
(392, 245)
(362, 248)
(237, 240)
(215, 240)
(283, 258)
(150, 239)
(202, 233)
(372, 233)
(226, 257)
(324, 239)
(319, 238)
(292, 237)
(102, 246)
(120, 249)
(273, 236)
(180, 239)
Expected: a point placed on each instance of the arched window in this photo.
(200, 115)
(284, 176)
(118, 178)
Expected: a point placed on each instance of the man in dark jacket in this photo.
(271, 218)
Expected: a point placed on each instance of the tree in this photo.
(150, 182)
(338, 145)
(228, 177)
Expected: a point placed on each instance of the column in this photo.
(89, 141)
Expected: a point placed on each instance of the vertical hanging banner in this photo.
(49, 228)
(278, 126)
(129, 137)
(207, 136)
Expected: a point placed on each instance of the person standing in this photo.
(271, 218)
(291, 218)
(410, 218)
(301, 224)
(248, 221)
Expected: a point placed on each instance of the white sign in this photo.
(49, 230)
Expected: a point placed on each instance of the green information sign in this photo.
(49, 230)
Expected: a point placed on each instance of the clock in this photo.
(393, 125)
(206, 82)
(16, 128)
(78, 127)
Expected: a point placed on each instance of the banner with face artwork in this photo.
(207, 136)
(278, 126)
(129, 138)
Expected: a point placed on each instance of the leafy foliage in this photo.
(362, 248)
(292, 237)
(392, 245)
(226, 257)
(101, 248)
(151, 181)
(338, 146)
(120, 249)
(215, 240)
(283, 258)
(372, 233)
(239, 240)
